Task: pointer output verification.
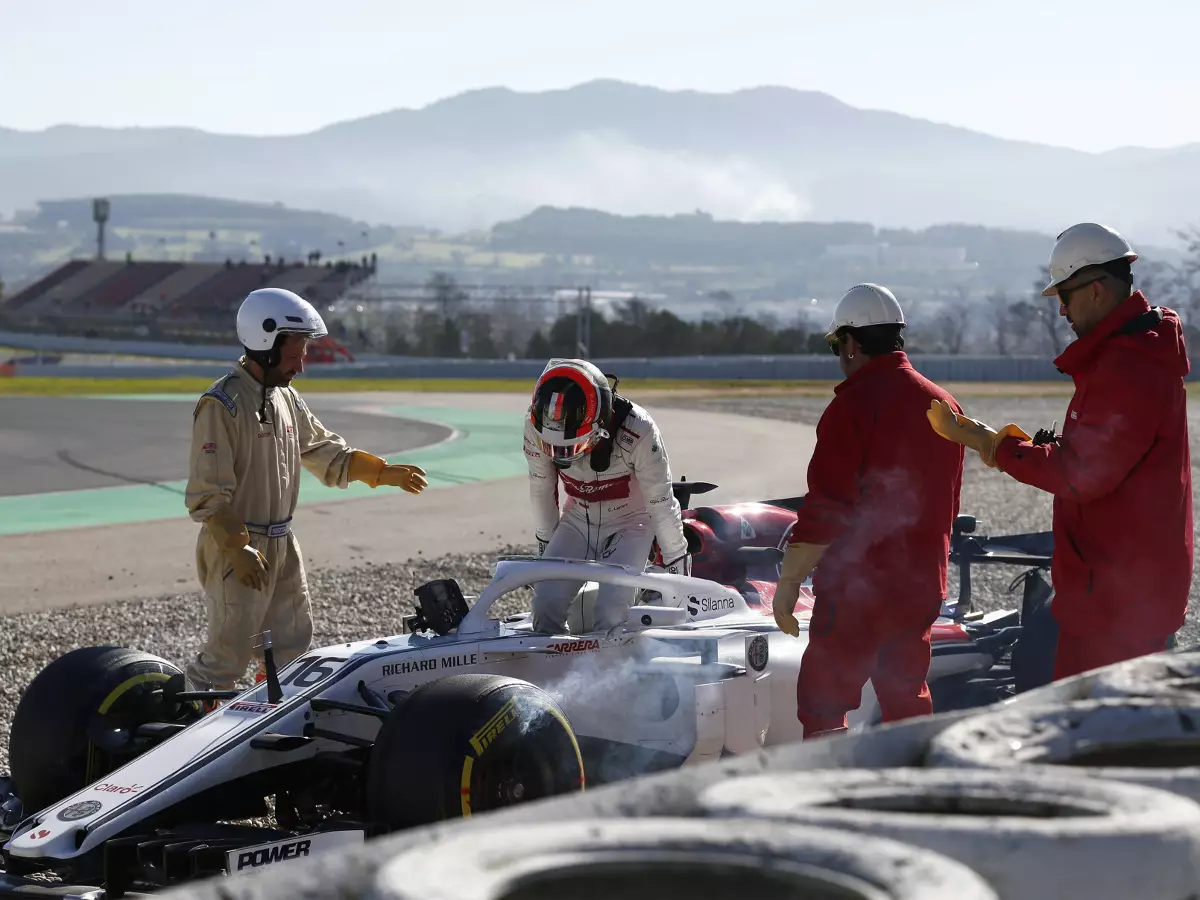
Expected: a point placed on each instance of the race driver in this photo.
(251, 434)
(883, 492)
(609, 456)
(1120, 471)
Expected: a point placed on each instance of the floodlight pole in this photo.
(100, 209)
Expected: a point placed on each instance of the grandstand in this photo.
(166, 300)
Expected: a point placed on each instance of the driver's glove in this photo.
(681, 566)
(798, 563)
(981, 438)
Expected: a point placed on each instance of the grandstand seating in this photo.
(116, 291)
(46, 283)
(60, 297)
(300, 278)
(163, 293)
(131, 280)
(225, 289)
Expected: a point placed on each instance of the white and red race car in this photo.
(118, 779)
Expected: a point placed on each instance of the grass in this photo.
(52, 386)
(49, 386)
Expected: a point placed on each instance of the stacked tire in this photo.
(1031, 836)
(600, 859)
(1091, 789)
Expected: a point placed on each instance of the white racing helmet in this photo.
(864, 305)
(267, 313)
(1085, 244)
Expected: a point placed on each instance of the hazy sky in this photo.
(1091, 74)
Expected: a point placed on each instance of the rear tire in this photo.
(468, 744)
(77, 719)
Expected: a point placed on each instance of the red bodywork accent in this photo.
(326, 350)
(716, 533)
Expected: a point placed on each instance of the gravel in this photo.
(374, 599)
(348, 605)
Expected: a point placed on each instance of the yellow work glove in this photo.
(231, 535)
(972, 433)
(798, 562)
(374, 471)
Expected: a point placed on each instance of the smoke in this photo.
(624, 692)
(892, 505)
(601, 170)
(471, 187)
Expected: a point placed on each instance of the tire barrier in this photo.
(600, 859)
(1168, 676)
(1147, 741)
(1036, 836)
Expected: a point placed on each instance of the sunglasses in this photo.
(1065, 293)
(835, 344)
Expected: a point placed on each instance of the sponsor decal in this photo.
(406, 667)
(249, 859)
(696, 606)
(249, 706)
(494, 727)
(748, 532)
(263, 434)
(39, 835)
(210, 447)
(606, 489)
(225, 399)
(107, 787)
(80, 810)
(575, 646)
(757, 653)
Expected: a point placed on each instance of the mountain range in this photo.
(765, 153)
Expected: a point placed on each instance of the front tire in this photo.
(77, 719)
(467, 744)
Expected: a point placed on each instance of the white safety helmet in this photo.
(1085, 244)
(269, 312)
(863, 305)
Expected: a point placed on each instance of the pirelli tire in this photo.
(1149, 741)
(467, 744)
(606, 858)
(1031, 835)
(77, 719)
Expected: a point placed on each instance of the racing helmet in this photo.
(570, 410)
(1085, 244)
(267, 315)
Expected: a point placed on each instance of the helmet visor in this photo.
(567, 450)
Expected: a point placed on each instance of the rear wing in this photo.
(1033, 549)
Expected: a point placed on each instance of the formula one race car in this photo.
(120, 780)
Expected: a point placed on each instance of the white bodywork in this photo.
(699, 647)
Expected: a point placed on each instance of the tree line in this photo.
(448, 325)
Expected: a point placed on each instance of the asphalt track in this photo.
(107, 539)
(68, 443)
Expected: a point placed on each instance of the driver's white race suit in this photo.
(610, 516)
